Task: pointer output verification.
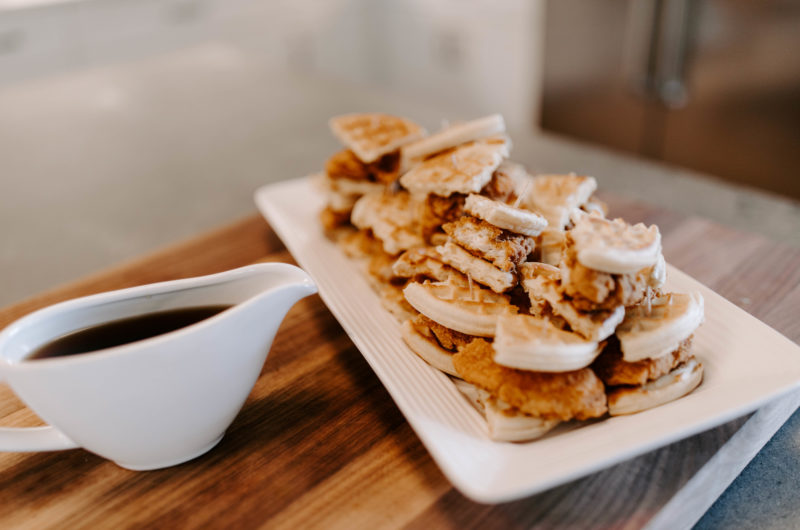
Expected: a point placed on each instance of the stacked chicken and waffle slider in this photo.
(540, 308)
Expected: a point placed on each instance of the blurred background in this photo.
(709, 84)
(129, 124)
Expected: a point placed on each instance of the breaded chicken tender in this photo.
(380, 266)
(501, 187)
(447, 338)
(435, 211)
(346, 165)
(613, 371)
(390, 217)
(360, 244)
(423, 263)
(543, 284)
(593, 290)
(504, 249)
(564, 396)
(332, 219)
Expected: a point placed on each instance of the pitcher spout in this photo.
(288, 285)
(274, 288)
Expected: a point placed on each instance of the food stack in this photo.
(369, 162)
(522, 404)
(557, 198)
(542, 309)
(451, 314)
(490, 241)
(442, 169)
(649, 362)
(372, 223)
(605, 266)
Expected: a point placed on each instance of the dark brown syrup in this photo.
(124, 331)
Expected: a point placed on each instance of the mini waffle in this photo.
(464, 169)
(526, 342)
(478, 269)
(657, 327)
(372, 135)
(615, 246)
(504, 216)
(425, 263)
(470, 310)
(609, 263)
(556, 196)
(450, 137)
(504, 249)
(391, 219)
(421, 341)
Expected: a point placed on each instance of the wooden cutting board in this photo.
(320, 444)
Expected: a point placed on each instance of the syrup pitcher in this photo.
(160, 400)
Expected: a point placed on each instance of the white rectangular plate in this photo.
(746, 364)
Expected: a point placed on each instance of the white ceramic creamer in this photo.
(159, 401)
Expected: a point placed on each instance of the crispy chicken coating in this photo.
(380, 266)
(435, 211)
(390, 216)
(423, 263)
(501, 187)
(564, 396)
(346, 165)
(504, 249)
(360, 244)
(593, 290)
(447, 338)
(332, 219)
(613, 371)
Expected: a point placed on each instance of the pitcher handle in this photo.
(25, 439)
(29, 439)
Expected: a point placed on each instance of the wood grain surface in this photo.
(320, 444)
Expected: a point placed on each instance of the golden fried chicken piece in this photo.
(504, 249)
(593, 290)
(332, 219)
(380, 266)
(423, 263)
(564, 396)
(434, 211)
(346, 165)
(613, 371)
(542, 282)
(447, 338)
(501, 187)
(390, 216)
(360, 244)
